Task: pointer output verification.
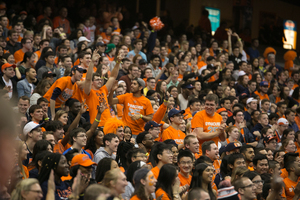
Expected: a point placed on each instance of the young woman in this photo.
(221, 59)
(145, 183)
(168, 183)
(161, 89)
(22, 155)
(74, 36)
(242, 84)
(96, 141)
(28, 62)
(233, 135)
(115, 180)
(288, 146)
(257, 78)
(104, 165)
(27, 189)
(41, 89)
(202, 178)
(288, 134)
(257, 181)
(127, 134)
(61, 116)
(226, 92)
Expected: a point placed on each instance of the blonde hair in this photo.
(19, 150)
(59, 113)
(238, 173)
(23, 185)
(111, 175)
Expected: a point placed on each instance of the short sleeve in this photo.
(197, 121)
(122, 98)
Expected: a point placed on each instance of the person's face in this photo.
(270, 154)
(220, 91)
(163, 86)
(120, 133)
(208, 174)
(174, 92)
(151, 83)
(23, 105)
(154, 132)
(224, 116)
(80, 139)
(113, 144)
(58, 134)
(121, 183)
(119, 91)
(78, 75)
(99, 138)
(236, 52)
(140, 157)
(63, 52)
(282, 77)
(67, 62)
(28, 45)
(177, 119)
(86, 60)
(272, 145)
(262, 166)
(36, 134)
(175, 154)
(134, 72)
(239, 118)
(232, 92)
(150, 182)
(31, 74)
(258, 183)
(48, 11)
(249, 189)
(113, 165)
(291, 117)
(97, 82)
(249, 154)
(214, 152)
(291, 135)
(37, 115)
(9, 72)
(50, 138)
(266, 106)
(186, 164)
(24, 152)
(264, 89)
(63, 118)
(286, 90)
(282, 128)
(234, 133)
(279, 157)
(14, 37)
(268, 76)
(62, 168)
(4, 21)
(197, 86)
(166, 157)
(116, 40)
(183, 66)
(64, 12)
(240, 162)
(135, 87)
(50, 60)
(139, 46)
(253, 105)
(264, 120)
(75, 108)
(35, 192)
(210, 107)
(195, 106)
(193, 146)
(148, 141)
(86, 171)
(291, 147)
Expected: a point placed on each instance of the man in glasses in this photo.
(245, 188)
(207, 124)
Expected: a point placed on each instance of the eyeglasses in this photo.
(82, 136)
(186, 163)
(257, 182)
(248, 186)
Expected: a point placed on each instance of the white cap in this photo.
(249, 100)
(82, 38)
(30, 126)
(241, 73)
(121, 81)
(282, 121)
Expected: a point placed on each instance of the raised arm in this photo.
(115, 71)
(239, 41)
(111, 100)
(74, 124)
(229, 32)
(160, 74)
(89, 75)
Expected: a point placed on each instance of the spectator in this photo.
(26, 86)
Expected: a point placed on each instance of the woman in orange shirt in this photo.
(202, 178)
(22, 152)
(145, 183)
(168, 174)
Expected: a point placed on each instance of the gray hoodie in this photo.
(99, 155)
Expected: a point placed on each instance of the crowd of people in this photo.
(100, 111)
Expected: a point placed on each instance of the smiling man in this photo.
(210, 149)
(207, 124)
(260, 164)
(191, 143)
(185, 163)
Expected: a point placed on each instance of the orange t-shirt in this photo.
(284, 174)
(26, 172)
(201, 64)
(171, 133)
(265, 96)
(135, 197)
(180, 77)
(120, 110)
(19, 55)
(289, 188)
(68, 90)
(106, 38)
(208, 123)
(38, 54)
(184, 180)
(187, 111)
(93, 99)
(132, 106)
(217, 165)
(160, 192)
(59, 148)
(155, 171)
(64, 23)
(77, 62)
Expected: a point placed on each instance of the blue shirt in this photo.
(294, 126)
(82, 152)
(141, 53)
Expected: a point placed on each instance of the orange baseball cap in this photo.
(221, 110)
(7, 65)
(83, 160)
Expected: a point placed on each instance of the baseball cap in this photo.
(30, 126)
(82, 160)
(7, 65)
(174, 111)
(141, 82)
(221, 110)
(243, 95)
(210, 58)
(264, 83)
(282, 121)
(142, 61)
(23, 13)
(269, 138)
(100, 44)
(109, 47)
(187, 86)
(151, 124)
(232, 145)
(78, 68)
(251, 99)
(83, 38)
(242, 73)
(48, 74)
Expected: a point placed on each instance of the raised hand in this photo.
(95, 55)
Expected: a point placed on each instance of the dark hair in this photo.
(104, 165)
(203, 159)
(70, 154)
(233, 157)
(185, 153)
(74, 133)
(258, 157)
(197, 179)
(133, 167)
(91, 145)
(33, 108)
(41, 145)
(167, 175)
(108, 137)
(236, 112)
(272, 164)
(41, 99)
(156, 149)
(49, 162)
(132, 153)
(122, 150)
(244, 148)
(251, 174)
(206, 146)
(53, 125)
(28, 55)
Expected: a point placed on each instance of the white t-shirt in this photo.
(9, 84)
